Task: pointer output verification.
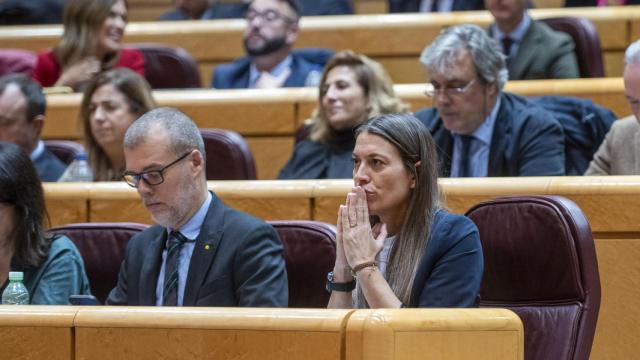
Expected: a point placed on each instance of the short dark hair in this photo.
(32, 91)
(21, 187)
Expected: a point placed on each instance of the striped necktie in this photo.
(465, 156)
(170, 292)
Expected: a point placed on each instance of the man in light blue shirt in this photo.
(201, 252)
(479, 129)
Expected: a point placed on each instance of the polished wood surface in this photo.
(268, 120)
(611, 204)
(396, 40)
(435, 334)
(36, 332)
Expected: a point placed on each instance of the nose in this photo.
(360, 175)
(441, 97)
(98, 115)
(144, 189)
(332, 93)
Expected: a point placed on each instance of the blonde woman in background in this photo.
(353, 88)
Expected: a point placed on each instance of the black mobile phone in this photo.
(87, 300)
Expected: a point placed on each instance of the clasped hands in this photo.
(357, 242)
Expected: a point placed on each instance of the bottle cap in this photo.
(15, 276)
(81, 156)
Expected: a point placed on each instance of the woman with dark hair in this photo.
(91, 43)
(52, 266)
(409, 253)
(111, 103)
(353, 88)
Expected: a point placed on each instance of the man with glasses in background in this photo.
(479, 129)
(271, 30)
(201, 252)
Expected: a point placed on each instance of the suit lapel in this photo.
(204, 251)
(499, 140)
(151, 267)
(528, 50)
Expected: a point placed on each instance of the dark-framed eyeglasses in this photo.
(151, 177)
(436, 89)
(267, 16)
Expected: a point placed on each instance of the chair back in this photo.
(65, 150)
(168, 67)
(585, 36)
(309, 254)
(102, 246)
(540, 262)
(17, 61)
(228, 155)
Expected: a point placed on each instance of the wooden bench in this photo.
(268, 120)
(396, 40)
(612, 205)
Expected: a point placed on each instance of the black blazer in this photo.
(526, 140)
(237, 261)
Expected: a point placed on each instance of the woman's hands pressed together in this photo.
(361, 243)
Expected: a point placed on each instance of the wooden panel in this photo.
(434, 334)
(36, 332)
(67, 202)
(214, 333)
(270, 154)
(613, 63)
(617, 329)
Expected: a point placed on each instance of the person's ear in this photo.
(197, 162)
(412, 185)
(38, 124)
(292, 33)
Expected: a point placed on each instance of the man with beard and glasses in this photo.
(272, 28)
(201, 252)
(479, 129)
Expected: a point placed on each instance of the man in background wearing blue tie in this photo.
(201, 252)
(479, 129)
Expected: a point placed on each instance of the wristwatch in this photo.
(333, 286)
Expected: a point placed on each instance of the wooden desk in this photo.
(611, 204)
(268, 120)
(37, 332)
(396, 40)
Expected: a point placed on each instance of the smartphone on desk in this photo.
(85, 300)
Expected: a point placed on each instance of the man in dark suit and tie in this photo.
(22, 110)
(201, 252)
(271, 30)
(532, 48)
(479, 129)
(397, 6)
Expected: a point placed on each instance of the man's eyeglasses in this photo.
(268, 16)
(449, 91)
(151, 177)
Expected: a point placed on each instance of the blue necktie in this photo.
(465, 155)
(170, 292)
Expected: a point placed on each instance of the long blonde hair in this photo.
(82, 20)
(136, 91)
(373, 79)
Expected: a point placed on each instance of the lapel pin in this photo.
(206, 247)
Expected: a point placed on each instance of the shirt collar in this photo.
(38, 151)
(517, 34)
(484, 132)
(254, 73)
(191, 229)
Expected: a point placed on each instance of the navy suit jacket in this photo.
(526, 140)
(237, 261)
(396, 6)
(450, 271)
(49, 167)
(304, 62)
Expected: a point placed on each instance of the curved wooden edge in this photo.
(321, 320)
(37, 315)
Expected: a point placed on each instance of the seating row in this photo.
(68, 333)
(268, 121)
(395, 40)
(611, 204)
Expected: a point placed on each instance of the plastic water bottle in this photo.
(15, 293)
(78, 170)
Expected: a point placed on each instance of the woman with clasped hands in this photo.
(395, 246)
